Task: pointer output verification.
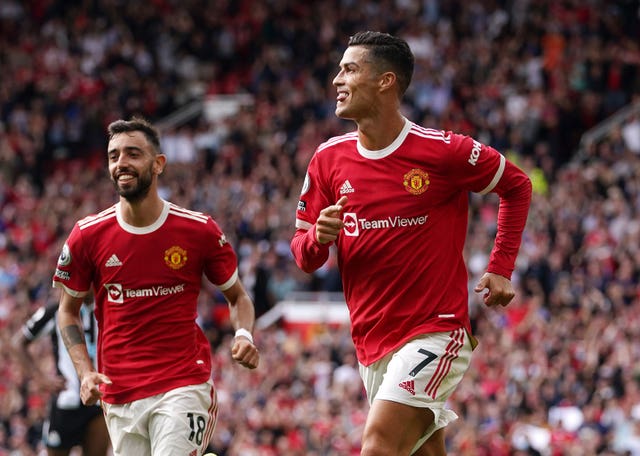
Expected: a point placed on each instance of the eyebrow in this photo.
(350, 63)
(126, 148)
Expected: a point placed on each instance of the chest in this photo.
(146, 260)
(404, 185)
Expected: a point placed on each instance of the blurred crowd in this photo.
(556, 373)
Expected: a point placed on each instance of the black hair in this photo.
(388, 52)
(136, 124)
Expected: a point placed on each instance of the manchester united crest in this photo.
(175, 257)
(416, 181)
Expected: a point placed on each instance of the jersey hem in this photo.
(428, 329)
(145, 391)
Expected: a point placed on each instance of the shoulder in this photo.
(188, 215)
(449, 144)
(197, 222)
(337, 141)
(433, 135)
(96, 219)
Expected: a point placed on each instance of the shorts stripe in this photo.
(451, 353)
(213, 418)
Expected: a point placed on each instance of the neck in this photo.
(141, 213)
(376, 134)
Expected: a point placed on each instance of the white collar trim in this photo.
(142, 229)
(391, 148)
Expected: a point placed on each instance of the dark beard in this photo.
(137, 192)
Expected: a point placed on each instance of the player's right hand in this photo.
(244, 352)
(90, 392)
(329, 222)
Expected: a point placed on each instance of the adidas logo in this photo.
(113, 261)
(346, 188)
(409, 386)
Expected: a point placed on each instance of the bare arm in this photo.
(40, 323)
(242, 315)
(70, 325)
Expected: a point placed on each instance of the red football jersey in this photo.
(401, 251)
(146, 283)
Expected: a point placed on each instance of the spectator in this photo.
(73, 70)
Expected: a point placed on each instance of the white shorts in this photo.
(422, 373)
(180, 421)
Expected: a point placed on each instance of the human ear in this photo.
(387, 80)
(160, 163)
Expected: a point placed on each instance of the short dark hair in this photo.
(136, 124)
(390, 53)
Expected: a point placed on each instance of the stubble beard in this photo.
(136, 192)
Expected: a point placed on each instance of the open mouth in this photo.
(342, 96)
(125, 178)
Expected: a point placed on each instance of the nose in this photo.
(120, 162)
(337, 80)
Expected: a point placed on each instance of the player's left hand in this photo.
(90, 391)
(245, 352)
(500, 291)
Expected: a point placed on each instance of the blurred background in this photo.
(242, 92)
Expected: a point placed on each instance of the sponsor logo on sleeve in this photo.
(222, 241)
(302, 206)
(306, 184)
(475, 153)
(63, 275)
(65, 256)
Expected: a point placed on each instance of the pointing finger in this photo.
(336, 208)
